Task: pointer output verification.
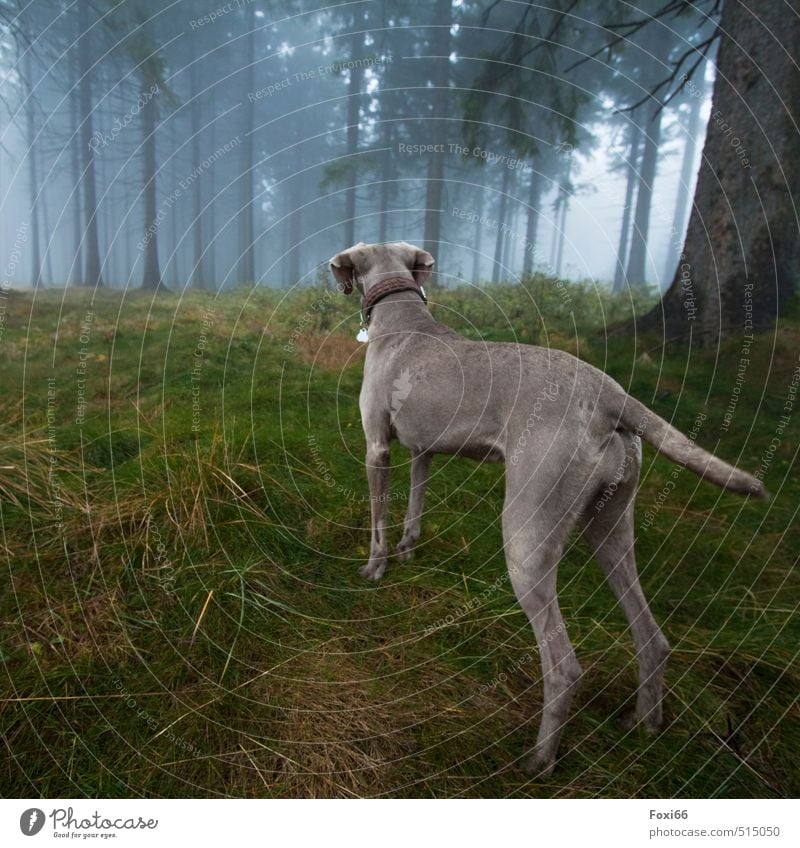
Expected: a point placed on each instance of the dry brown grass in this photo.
(34, 474)
(331, 352)
(336, 733)
(63, 631)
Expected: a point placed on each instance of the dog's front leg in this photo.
(420, 466)
(378, 478)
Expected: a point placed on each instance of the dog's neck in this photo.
(382, 288)
(398, 311)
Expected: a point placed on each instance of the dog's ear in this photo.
(343, 269)
(423, 264)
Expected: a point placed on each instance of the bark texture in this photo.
(741, 259)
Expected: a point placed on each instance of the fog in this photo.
(213, 144)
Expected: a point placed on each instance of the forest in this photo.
(183, 500)
(217, 145)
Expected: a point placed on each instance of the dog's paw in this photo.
(652, 723)
(405, 551)
(374, 569)
(627, 719)
(538, 765)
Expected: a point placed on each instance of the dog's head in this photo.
(364, 265)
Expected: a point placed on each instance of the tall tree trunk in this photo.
(532, 221)
(438, 127)
(353, 117)
(198, 281)
(75, 150)
(129, 261)
(657, 46)
(387, 180)
(33, 177)
(48, 249)
(682, 200)
(741, 260)
(92, 274)
(632, 168)
(510, 245)
(562, 230)
(247, 263)
(151, 278)
(210, 225)
(501, 220)
(477, 255)
(105, 223)
(296, 200)
(637, 273)
(210, 222)
(173, 263)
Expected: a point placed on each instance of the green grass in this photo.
(188, 619)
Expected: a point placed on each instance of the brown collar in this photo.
(386, 287)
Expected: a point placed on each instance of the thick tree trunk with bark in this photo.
(741, 258)
(438, 128)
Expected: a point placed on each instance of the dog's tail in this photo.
(672, 443)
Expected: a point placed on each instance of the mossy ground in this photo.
(182, 613)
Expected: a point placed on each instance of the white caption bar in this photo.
(388, 823)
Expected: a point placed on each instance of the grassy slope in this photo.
(246, 657)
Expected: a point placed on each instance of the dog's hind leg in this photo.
(610, 532)
(420, 466)
(533, 547)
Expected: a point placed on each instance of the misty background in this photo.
(214, 144)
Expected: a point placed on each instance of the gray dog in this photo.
(569, 435)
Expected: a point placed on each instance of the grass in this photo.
(183, 616)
